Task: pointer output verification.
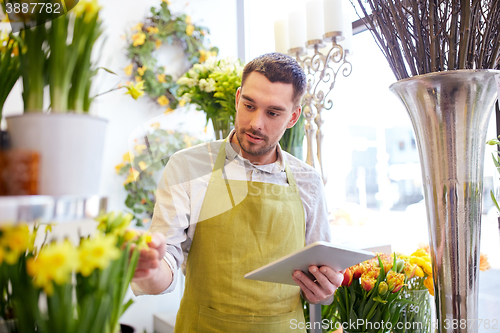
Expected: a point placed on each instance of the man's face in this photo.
(264, 110)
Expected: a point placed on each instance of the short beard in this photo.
(263, 151)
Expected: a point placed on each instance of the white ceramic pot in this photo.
(70, 147)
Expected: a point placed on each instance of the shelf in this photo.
(50, 209)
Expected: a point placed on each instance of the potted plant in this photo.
(58, 53)
(66, 287)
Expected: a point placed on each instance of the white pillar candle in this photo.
(315, 20)
(334, 19)
(297, 29)
(347, 42)
(281, 36)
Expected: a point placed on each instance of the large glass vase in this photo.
(450, 113)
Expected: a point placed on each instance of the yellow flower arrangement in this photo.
(82, 285)
(163, 27)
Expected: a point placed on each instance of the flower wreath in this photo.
(163, 27)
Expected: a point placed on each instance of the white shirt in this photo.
(184, 182)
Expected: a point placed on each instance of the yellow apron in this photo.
(266, 225)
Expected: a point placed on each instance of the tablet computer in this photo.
(318, 253)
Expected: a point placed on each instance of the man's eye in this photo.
(273, 114)
(248, 106)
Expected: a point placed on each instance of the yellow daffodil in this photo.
(157, 44)
(114, 223)
(128, 69)
(97, 253)
(188, 19)
(140, 148)
(138, 39)
(166, 1)
(87, 9)
(129, 235)
(142, 165)
(138, 27)
(152, 30)
(141, 70)
(118, 167)
(168, 110)
(138, 78)
(127, 157)
(182, 103)
(132, 176)
(204, 55)
(163, 100)
(15, 241)
(136, 90)
(54, 263)
(189, 29)
(161, 78)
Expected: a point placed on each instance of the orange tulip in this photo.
(358, 270)
(372, 271)
(429, 283)
(367, 282)
(347, 277)
(395, 280)
(484, 265)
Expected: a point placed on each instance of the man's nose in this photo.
(257, 120)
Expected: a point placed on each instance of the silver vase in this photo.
(450, 113)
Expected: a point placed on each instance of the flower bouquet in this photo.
(416, 317)
(60, 287)
(141, 166)
(212, 87)
(368, 300)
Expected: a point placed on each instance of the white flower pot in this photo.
(70, 147)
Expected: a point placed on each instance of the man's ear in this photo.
(237, 98)
(295, 116)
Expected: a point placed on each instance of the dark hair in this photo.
(277, 67)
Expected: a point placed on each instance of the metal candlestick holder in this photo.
(322, 69)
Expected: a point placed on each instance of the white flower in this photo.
(207, 85)
(186, 81)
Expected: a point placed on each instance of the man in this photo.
(228, 207)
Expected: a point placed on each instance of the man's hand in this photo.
(323, 287)
(153, 274)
